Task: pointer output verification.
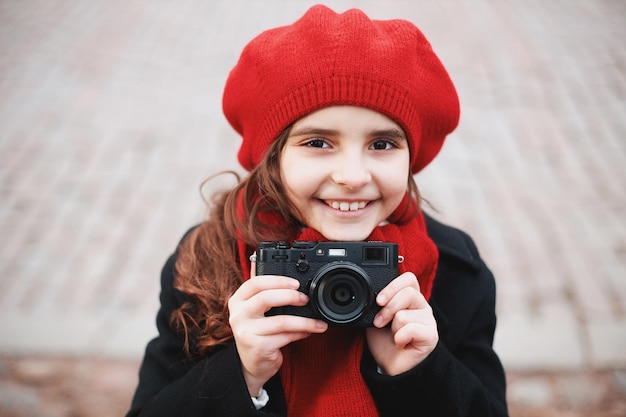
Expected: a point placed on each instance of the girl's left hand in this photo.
(412, 335)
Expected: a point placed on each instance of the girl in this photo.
(337, 113)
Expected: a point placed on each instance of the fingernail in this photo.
(381, 299)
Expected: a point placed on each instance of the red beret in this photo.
(327, 59)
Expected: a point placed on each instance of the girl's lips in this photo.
(347, 205)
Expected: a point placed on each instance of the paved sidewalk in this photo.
(110, 118)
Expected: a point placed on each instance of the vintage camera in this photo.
(341, 279)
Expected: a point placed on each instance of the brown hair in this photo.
(208, 268)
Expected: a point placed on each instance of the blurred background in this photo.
(110, 118)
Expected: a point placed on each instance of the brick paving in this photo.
(110, 115)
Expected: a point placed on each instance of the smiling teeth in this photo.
(345, 206)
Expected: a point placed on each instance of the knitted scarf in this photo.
(321, 374)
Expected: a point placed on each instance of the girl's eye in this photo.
(317, 143)
(382, 144)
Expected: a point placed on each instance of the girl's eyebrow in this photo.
(389, 133)
(309, 130)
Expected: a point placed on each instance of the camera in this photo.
(341, 279)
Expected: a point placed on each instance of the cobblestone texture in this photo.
(110, 115)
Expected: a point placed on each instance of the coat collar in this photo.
(453, 244)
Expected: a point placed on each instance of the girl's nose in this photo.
(351, 172)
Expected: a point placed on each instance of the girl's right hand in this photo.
(260, 338)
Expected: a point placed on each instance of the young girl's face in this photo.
(345, 169)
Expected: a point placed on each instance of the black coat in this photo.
(461, 377)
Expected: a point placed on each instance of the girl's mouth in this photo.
(347, 205)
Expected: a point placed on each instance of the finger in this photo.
(262, 283)
(417, 335)
(278, 298)
(406, 280)
(284, 339)
(277, 331)
(422, 317)
(406, 299)
(276, 341)
(258, 304)
(286, 323)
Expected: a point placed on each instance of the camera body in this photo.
(341, 279)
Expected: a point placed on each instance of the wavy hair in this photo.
(208, 268)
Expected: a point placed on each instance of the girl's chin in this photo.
(357, 235)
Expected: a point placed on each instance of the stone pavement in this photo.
(110, 118)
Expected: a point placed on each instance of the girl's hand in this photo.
(260, 338)
(412, 335)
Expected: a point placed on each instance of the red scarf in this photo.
(321, 374)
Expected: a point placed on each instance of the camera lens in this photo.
(341, 292)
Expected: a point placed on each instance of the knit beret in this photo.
(326, 59)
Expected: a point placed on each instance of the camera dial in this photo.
(302, 265)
